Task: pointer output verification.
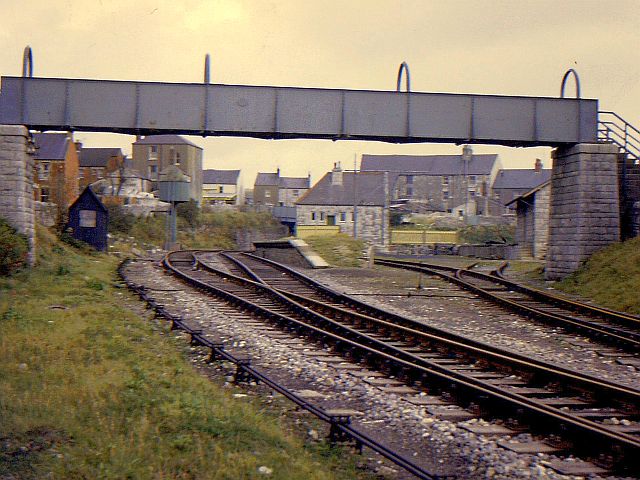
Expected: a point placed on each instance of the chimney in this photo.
(467, 153)
(336, 174)
(538, 165)
(278, 172)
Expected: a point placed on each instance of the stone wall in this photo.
(541, 204)
(629, 174)
(584, 208)
(16, 182)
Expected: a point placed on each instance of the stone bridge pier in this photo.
(16, 182)
(584, 213)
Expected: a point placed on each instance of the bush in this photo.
(487, 234)
(14, 248)
(119, 220)
(190, 213)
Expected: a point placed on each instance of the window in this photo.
(44, 194)
(409, 190)
(153, 152)
(409, 179)
(472, 193)
(44, 168)
(445, 194)
(153, 172)
(445, 180)
(88, 218)
(313, 215)
(81, 174)
(472, 179)
(221, 190)
(321, 215)
(343, 216)
(267, 194)
(353, 216)
(177, 162)
(296, 193)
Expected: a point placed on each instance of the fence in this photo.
(423, 237)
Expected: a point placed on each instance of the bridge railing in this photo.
(613, 128)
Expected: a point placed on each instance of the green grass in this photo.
(89, 389)
(611, 277)
(338, 250)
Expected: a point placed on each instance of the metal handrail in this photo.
(620, 132)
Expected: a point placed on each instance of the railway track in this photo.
(615, 328)
(572, 412)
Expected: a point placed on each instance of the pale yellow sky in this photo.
(511, 47)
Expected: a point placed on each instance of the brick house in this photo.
(56, 169)
(96, 163)
(532, 221)
(221, 187)
(456, 184)
(273, 190)
(357, 202)
(512, 183)
(152, 154)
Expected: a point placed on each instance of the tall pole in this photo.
(355, 198)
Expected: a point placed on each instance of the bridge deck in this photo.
(290, 112)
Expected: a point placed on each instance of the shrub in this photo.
(190, 212)
(487, 234)
(14, 248)
(119, 220)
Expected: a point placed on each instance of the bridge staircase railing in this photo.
(615, 129)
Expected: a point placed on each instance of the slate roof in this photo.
(97, 157)
(266, 179)
(275, 180)
(529, 193)
(521, 178)
(368, 190)
(51, 146)
(294, 182)
(429, 164)
(226, 177)
(165, 140)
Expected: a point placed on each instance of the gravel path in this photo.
(441, 446)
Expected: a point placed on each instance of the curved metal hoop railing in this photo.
(404, 68)
(27, 62)
(564, 82)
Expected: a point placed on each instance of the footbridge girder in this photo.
(290, 112)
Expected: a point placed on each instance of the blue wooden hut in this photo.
(88, 220)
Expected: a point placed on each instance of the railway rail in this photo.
(616, 328)
(574, 411)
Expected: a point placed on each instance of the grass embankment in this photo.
(339, 250)
(89, 389)
(611, 277)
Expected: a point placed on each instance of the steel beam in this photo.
(289, 112)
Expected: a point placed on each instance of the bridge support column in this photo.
(16, 182)
(584, 212)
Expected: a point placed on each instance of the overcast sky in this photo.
(511, 47)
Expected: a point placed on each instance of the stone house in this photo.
(222, 187)
(96, 163)
(455, 184)
(56, 169)
(357, 202)
(532, 221)
(152, 154)
(512, 183)
(273, 190)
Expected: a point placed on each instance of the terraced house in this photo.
(273, 190)
(221, 187)
(455, 184)
(152, 154)
(97, 163)
(57, 168)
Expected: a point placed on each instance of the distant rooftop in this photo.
(97, 157)
(165, 140)
(51, 146)
(519, 178)
(275, 180)
(227, 177)
(364, 188)
(429, 164)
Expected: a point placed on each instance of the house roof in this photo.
(98, 157)
(294, 182)
(165, 140)
(429, 164)
(529, 193)
(521, 178)
(267, 179)
(275, 180)
(51, 146)
(227, 177)
(364, 188)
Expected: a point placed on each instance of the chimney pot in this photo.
(538, 165)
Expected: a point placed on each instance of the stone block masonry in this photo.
(584, 208)
(16, 182)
